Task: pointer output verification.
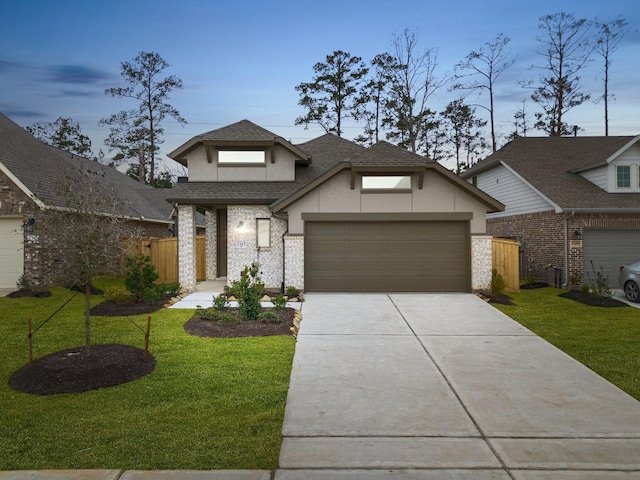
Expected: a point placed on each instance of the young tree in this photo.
(64, 134)
(482, 68)
(372, 99)
(566, 50)
(331, 96)
(609, 36)
(414, 83)
(83, 239)
(142, 125)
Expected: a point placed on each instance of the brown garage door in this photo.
(404, 256)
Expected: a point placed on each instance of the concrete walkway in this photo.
(444, 386)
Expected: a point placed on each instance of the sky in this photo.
(242, 59)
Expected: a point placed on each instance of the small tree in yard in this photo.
(82, 239)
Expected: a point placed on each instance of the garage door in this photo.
(11, 254)
(405, 256)
(610, 249)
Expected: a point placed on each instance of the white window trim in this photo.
(617, 185)
(258, 236)
(378, 189)
(245, 163)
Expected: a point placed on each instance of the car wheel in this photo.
(631, 291)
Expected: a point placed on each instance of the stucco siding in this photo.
(282, 169)
(336, 196)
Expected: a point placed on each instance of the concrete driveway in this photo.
(444, 386)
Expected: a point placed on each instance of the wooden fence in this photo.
(164, 256)
(505, 260)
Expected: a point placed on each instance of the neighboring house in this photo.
(30, 172)
(329, 215)
(572, 202)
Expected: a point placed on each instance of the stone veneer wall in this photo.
(294, 261)
(242, 249)
(210, 219)
(481, 262)
(187, 247)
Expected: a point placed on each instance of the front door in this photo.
(221, 242)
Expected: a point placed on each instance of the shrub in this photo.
(248, 291)
(141, 277)
(279, 303)
(229, 319)
(585, 289)
(270, 316)
(118, 295)
(292, 291)
(599, 283)
(220, 302)
(498, 283)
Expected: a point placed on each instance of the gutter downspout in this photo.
(284, 262)
(566, 248)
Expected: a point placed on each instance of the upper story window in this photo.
(386, 182)
(243, 157)
(623, 176)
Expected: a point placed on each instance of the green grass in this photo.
(607, 340)
(209, 403)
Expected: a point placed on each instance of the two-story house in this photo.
(572, 202)
(329, 215)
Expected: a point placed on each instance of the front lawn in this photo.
(607, 340)
(209, 404)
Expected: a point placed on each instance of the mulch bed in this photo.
(70, 371)
(533, 286)
(30, 293)
(592, 300)
(501, 299)
(215, 328)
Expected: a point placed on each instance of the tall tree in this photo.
(142, 125)
(372, 98)
(464, 132)
(414, 83)
(609, 36)
(481, 69)
(331, 96)
(566, 49)
(65, 134)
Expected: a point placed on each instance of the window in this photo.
(241, 156)
(263, 229)
(623, 176)
(387, 182)
(474, 180)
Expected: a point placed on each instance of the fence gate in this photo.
(505, 260)
(164, 256)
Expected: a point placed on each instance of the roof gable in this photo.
(237, 135)
(550, 166)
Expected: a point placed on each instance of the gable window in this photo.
(245, 157)
(623, 176)
(263, 232)
(386, 182)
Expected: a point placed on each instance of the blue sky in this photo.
(242, 59)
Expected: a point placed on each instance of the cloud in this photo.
(14, 112)
(76, 74)
(80, 93)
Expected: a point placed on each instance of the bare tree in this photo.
(414, 83)
(566, 49)
(82, 239)
(610, 34)
(482, 68)
(520, 122)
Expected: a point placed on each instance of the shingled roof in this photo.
(242, 133)
(326, 151)
(40, 169)
(552, 165)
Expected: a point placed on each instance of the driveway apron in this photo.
(444, 386)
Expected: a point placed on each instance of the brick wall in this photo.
(542, 236)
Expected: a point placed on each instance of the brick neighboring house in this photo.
(29, 174)
(572, 202)
(329, 215)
